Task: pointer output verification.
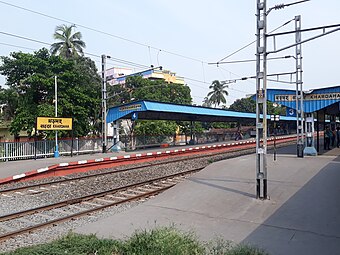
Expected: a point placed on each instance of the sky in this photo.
(182, 36)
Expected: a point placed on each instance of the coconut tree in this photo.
(69, 45)
(218, 93)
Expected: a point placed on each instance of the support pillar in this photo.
(309, 148)
(116, 144)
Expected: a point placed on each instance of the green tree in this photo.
(69, 45)
(31, 77)
(218, 93)
(137, 88)
(249, 105)
(9, 100)
(243, 105)
(155, 127)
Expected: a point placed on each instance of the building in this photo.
(119, 75)
(115, 72)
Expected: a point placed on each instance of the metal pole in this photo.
(261, 98)
(299, 91)
(104, 126)
(56, 152)
(274, 140)
(317, 132)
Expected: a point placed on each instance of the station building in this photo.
(321, 108)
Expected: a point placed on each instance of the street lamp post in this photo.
(56, 152)
(274, 119)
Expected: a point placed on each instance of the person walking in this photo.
(338, 136)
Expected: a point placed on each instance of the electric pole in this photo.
(261, 100)
(299, 91)
(104, 125)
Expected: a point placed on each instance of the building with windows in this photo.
(116, 75)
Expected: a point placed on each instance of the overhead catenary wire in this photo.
(121, 61)
(249, 44)
(101, 32)
(87, 53)
(35, 49)
(111, 59)
(106, 33)
(16, 46)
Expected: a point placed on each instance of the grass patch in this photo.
(158, 241)
(71, 244)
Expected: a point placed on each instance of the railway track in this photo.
(77, 207)
(66, 203)
(32, 189)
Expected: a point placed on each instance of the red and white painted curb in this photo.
(131, 157)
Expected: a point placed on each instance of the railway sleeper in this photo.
(91, 204)
(6, 228)
(30, 222)
(103, 201)
(79, 208)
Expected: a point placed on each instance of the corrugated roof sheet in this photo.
(169, 111)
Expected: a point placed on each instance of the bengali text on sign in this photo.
(49, 123)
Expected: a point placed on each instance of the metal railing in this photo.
(147, 141)
(10, 151)
(45, 148)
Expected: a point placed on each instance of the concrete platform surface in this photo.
(301, 217)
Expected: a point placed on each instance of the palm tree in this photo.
(70, 45)
(218, 93)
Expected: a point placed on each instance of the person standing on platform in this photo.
(338, 136)
(327, 138)
(333, 137)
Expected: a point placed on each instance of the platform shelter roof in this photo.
(314, 100)
(153, 110)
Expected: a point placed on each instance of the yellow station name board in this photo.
(49, 123)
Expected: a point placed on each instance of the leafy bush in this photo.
(158, 241)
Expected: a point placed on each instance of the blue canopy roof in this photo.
(153, 110)
(314, 100)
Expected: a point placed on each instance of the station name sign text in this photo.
(47, 123)
(328, 96)
(130, 107)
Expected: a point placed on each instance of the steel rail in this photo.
(20, 214)
(88, 197)
(206, 154)
(6, 236)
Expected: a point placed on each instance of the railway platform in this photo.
(17, 169)
(302, 215)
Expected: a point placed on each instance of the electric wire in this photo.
(100, 31)
(16, 46)
(246, 46)
(105, 33)
(87, 53)
(98, 56)
(109, 34)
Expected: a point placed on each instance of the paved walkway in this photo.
(301, 217)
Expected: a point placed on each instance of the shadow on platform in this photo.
(309, 221)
